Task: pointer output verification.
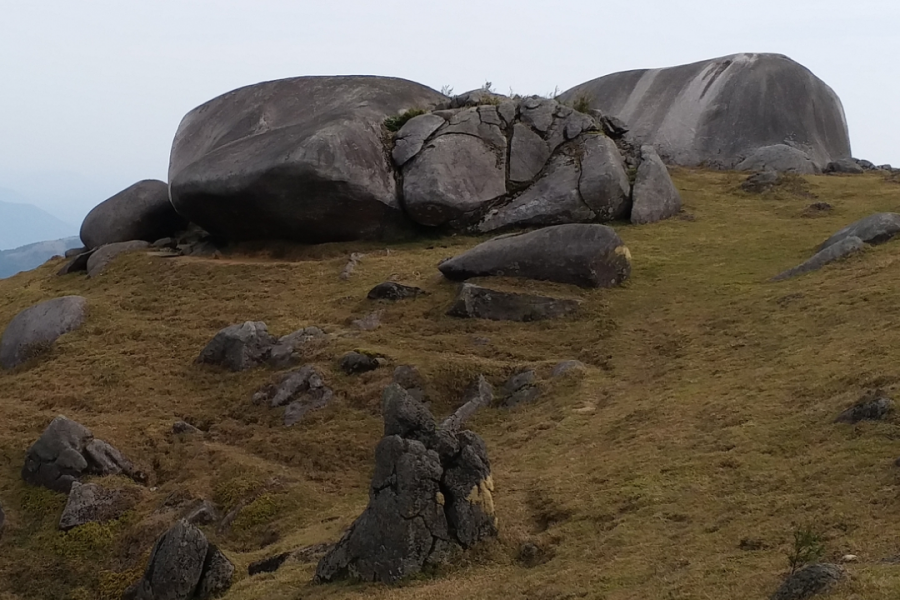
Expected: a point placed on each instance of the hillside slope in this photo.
(30, 256)
(679, 466)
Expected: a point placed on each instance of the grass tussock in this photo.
(679, 464)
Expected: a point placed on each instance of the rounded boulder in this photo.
(33, 330)
(139, 212)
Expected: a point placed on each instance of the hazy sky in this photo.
(93, 90)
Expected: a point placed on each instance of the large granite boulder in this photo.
(66, 451)
(580, 254)
(139, 212)
(874, 229)
(101, 257)
(781, 158)
(33, 330)
(183, 566)
(300, 159)
(718, 112)
(431, 493)
(654, 195)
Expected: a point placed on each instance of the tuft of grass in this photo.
(395, 123)
(808, 547)
(582, 103)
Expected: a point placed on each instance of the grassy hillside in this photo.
(677, 467)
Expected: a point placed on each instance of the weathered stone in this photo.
(203, 512)
(412, 137)
(604, 184)
(552, 200)
(56, 459)
(268, 565)
(300, 159)
(104, 459)
(77, 264)
(654, 195)
(565, 366)
(393, 291)
(356, 362)
(537, 112)
(91, 503)
(218, 572)
(139, 212)
(33, 331)
(579, 254)
(528, 154)
(184, 428)
(717, 112)
(521, 388)
(481, 303)
(482, 122)
(73, 252)
(478, 97)
(780, 158)
(842, 249)
(843, 165)
(176, 565)
(873, 406)
(874, 229)
(809, 581)
(104, 255)
(455, 174)
(409, 378)
(239, 347)
(469, 489)
(866, 165)
(289, 349)
(759, 183)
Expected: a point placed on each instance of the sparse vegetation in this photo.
(704, 416)
(808, 547)
(582, 103)
(393, 124)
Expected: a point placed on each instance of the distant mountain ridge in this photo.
(22, 223)
(33, 255)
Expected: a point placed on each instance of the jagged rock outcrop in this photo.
(431, 493)
(476, 302)
(67, 450)
(33, 331)
(300, 159)
(139, 212)
(183, 566)
(579, 254)
(719, 112)
(102, 256)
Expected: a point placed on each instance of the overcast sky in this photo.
(93, 90)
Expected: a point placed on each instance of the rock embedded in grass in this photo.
(393, 292)
(809, 581)
(874, 229)
(580, 254)
(520, 388)
(779, 158)
(34, 330)
(239, 347)
(92, 503)
(268, 565)
(476, 302)
(842, 249)
(565, 366)
(873, 406)
(846, 166)
(104, 255)
(654, 196)
(354, 363)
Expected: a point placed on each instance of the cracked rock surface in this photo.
(431, 493)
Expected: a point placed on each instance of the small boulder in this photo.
(654, 195)
(581, 254)
(139, 212)
(102, 256)
(239, 347)
(77, 264)
(393, 291)
(106, 460)
(73, 252)
(91, 503)
(409, 378)
(521, 388)
(354, 363)
(184, 428)
(809, 581)
(565, 366)
(780, 158)
(412, 136)
(843, 165)
(202, 512)
(873, 406)
(301, 390)
(34, 330)
(477, 302)
(218, 572)
(268, 565)
(290, 348)
(845, 247)
(759, 183)
(874, 229)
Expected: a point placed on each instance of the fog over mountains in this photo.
(21, 222)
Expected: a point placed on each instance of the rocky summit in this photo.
(372, 340)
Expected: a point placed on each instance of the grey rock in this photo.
(218, 572)
(521, 388)
(139, 212)
(538, 112)
(508, 110)
(455, 174)
(604, 184)
(781, 158)
(34, 330)
(843, 248)
(866, 165)
(291, 348)
(482, 122)
(268, 565)
(477, 97)
(91, 503)
(565, 366)
(203, 512)
(579, 254)
(423, 500)
(885, 167)
(239, 347)
(175, 566)
(184, 428)
(412, 137)
(77, 264)
(843, 165)
(528, 154)
(355, 362)
(300, 159)
(104, 459)
(716, 112)
(654, 195)
(73, 252)
(481, 303)
(165, 243)
(351, 265)
(370, 322)
(102, 256)
(809, 581)
(874, 229)
(759, 183)
(393, 291)
(552, 200)
(873, 406)
(409, 378)
(301, 390)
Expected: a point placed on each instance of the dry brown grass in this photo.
(705, 417)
